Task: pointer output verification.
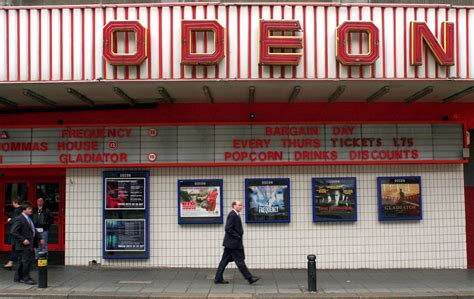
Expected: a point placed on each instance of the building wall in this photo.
(437, 241)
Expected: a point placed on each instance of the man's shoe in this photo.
(221, 282)
(29, 281)
(254, 279)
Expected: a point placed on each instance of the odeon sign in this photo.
(442, 49)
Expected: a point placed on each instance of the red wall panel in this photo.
(280, 112)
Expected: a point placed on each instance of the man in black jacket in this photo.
(25, 235)
(42, 218)
(233, 246)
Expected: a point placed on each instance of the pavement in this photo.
(103, 282)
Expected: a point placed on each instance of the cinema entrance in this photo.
(28, 185)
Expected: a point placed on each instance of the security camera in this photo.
(252, 116)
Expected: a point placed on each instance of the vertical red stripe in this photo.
(426, 48)
(349, 68)
(394, 26)
(457, 43)
(127, 49)
(61, 46)
(305, 70)
(337, 24)
(194, 44)
(294, 34)
(7, 32)
(437, 36)
(72, 44)
(361, 74)
(216, 67)
(467, 45)
(282, 68)
(83, 53)
(148, 42)
(383, 43)
(249, 54)
(138, 18)
(160, 42)
(50, 17)
(18, 64)
(238, 42)
(227, 57)
(104, 64)
(115, 46)
(271, 18)
(40, 46)
(326, 62)
(405, 56)
(315, 9)
(372, 67)
(205, 41)
(93, 12)
(260, 68)
(171, 43)
(28, 28)
(416, 66)
(448, 68)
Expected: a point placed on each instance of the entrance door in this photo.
(51, 189)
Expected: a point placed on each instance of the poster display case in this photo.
(399, 198)
(267, 200)
(200, 201)
(334, 199)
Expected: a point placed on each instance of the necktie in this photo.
(31, 224)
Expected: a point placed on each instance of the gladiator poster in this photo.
(125, 235)
(399, 198)
(200, 201)
(267, 200)
(125, 193)
(334, 199)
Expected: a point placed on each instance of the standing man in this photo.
(25, 235)
(42, 219)
(233, 246)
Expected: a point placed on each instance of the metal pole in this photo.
(42, 269)
(312, 273)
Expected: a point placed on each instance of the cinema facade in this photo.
(344, 129)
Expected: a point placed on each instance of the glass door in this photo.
(29, 189)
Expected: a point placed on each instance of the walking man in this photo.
(233, 246)
(25, 235)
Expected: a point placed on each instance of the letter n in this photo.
(444, 53)
(188, 42)
(110, 35)
(342, 46)
(270, 42)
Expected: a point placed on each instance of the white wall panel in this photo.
(437, 241)
(78, 57)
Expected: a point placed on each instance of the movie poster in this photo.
(125, 235)
(334, 199)
(267, 200)
(200, 201)
(125, 193)
(399, 198)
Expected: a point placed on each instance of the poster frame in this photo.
(124, 220)
(315, 216)
(122, 212)
(247, 220)
(379, 198)
(215, 220)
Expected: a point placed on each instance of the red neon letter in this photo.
(269, 42)
(342, 46)
(110, 31)
(444, 53)
(188, 43)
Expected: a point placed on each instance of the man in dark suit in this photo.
(233, 246)
(25, 235)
